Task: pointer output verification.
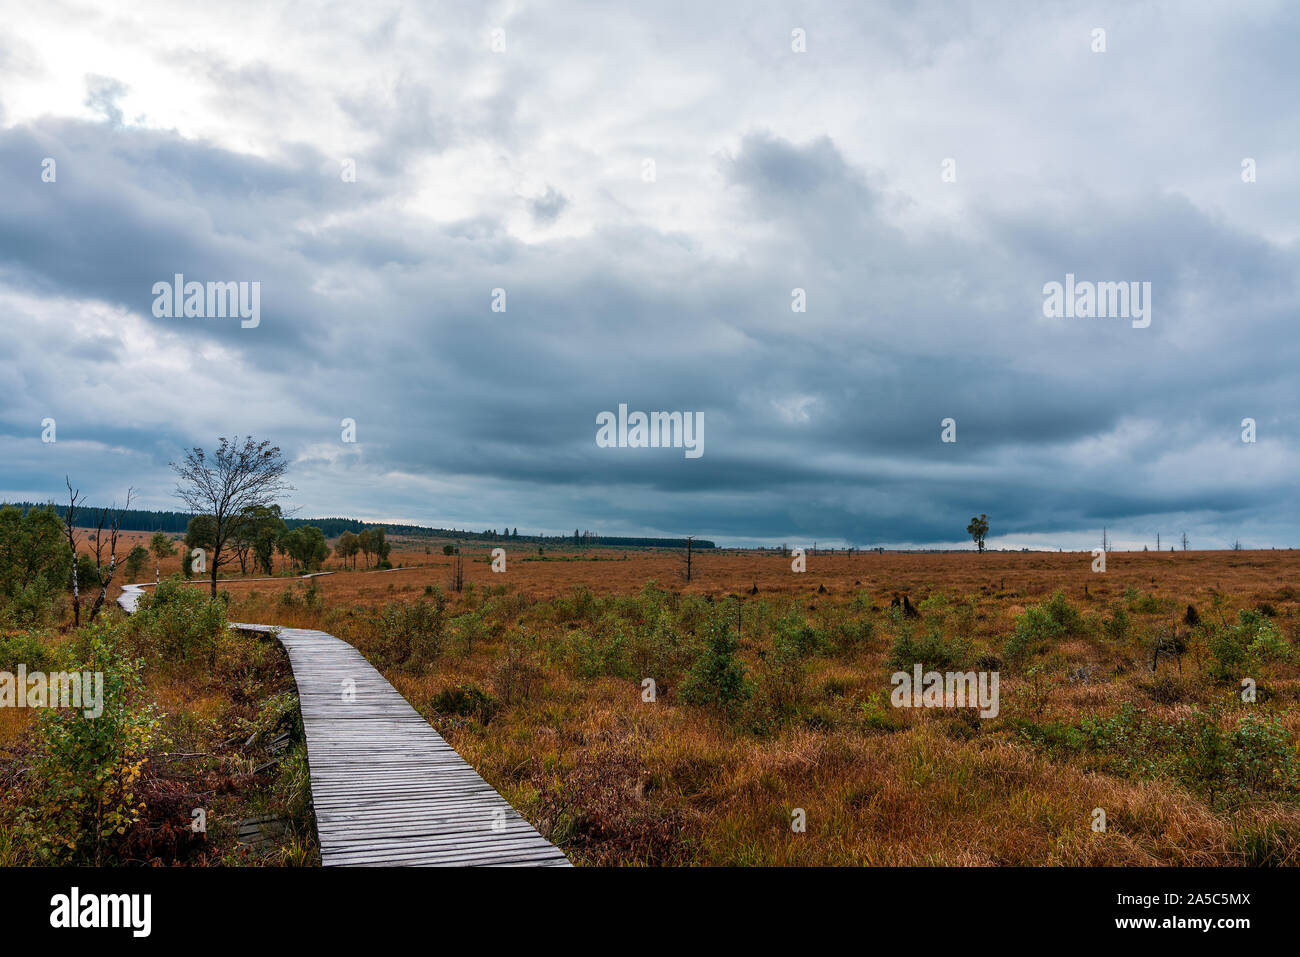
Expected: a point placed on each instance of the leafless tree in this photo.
(690, 543)
(238, 477)
(112, 518)
(70, 532)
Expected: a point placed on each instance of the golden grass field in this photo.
(1191, 576)
(617, 780)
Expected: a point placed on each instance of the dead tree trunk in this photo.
(113, 518)
(457, 572)
(70, 532)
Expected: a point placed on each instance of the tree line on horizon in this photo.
(260, 534)
(178, 523)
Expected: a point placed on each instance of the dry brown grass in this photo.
(1249, 576)
(620, 781)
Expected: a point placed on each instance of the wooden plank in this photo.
(407, 797)
(387, 789)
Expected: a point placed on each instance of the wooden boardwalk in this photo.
(386, 788)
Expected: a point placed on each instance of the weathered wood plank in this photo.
(387, 789)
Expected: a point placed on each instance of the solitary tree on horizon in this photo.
(237, 478)
(978, 529)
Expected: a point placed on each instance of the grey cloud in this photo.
(375, 312)
(102, 94)
(546, 208)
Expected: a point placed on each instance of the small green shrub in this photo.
(841, 632)
(26, 648)
(658, 648)
(1252, 758)
(518, 674)
(1037, 690)
(717, 677)
(1143, 602)
(580, 605)
(1252, 639)
(931, 650)
(776, 693)
(34, 605)
(1117, 625)
(409, 635)
(1041, 625)
(875, 716)
(1268, 643)
(178, 622)
(600, 651)
(87, 770)
(1256, 757)
(278, 714)
(470, 628)
(467, 700)
(796, 637)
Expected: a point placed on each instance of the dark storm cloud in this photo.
(488, 374)
(818, 425)
(132, 208)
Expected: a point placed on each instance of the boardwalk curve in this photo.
(386, 788)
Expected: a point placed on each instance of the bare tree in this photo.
(70, 532)
(239, 477)
(690, 543)
(457, 571)
(111, 517)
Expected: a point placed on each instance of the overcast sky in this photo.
(214, 141)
